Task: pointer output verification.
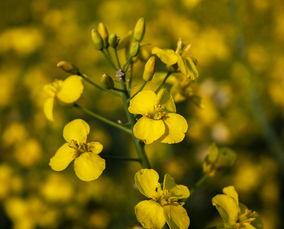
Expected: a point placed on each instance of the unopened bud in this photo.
(107, 81)
(149, 69)
(113, 40)
(139, 29)
(134, 48)
(180, 46)
(218, 158)
(68, 67)
(102, 30)
(97, 40)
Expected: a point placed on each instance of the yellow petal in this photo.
(231, 191)
(176, 217)
(48, 108)
(89, 166)
(227, 208)
(77, 130)
(62, 158)
(165, 98)
(71, 89)
(147, 181)
(148, 130)
(150, 214)
(167, 56)
(143, 102)
(179, 191)
(176, 126)
(95, 147)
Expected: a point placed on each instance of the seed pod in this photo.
(68, 67)
(134, 48)
(102, 30)
(97, 40)
(107, 81)
(149, 69)
(139, 29)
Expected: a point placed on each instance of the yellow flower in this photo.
(88, 165)
(67, 91)
(165, 204)
(234, 214)
(159, 120)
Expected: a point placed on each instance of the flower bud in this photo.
(107, 81)
(97, 40)
(218, 158)
(102, 30)
(113, 40)
(139, 30)
(134, 48)
(149, 69)
(68, 67)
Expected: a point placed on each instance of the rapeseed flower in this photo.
(88, 165)
(159, 120)
(67, 91)
(234, 214)
(165, 204)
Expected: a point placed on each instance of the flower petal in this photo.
(143, 102)
(176, 217)
(77, 130)
(147, 181)
(165, 98)
(71, 89)
(167, 56)
(89, 166)
(62, 158)
(227, 208)
(179, 191)
(95, 147)
(149, 130)
(231, 191)
(176, 126)
(150, 214)
(48, 108)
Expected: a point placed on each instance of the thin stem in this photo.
(140, 89)
(163, 82)
(108, 58)
(199, 182)
(85, 77)
(117, 59)
(129, 82)
(127, 64)
(120, 158)
(103, 119)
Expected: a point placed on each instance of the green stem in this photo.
(163, 82)
(117, 59)
(138, 144)
(103, 119)
(140, 89)
(127, 64)
(85, 77)
(199, 183)
(120, 158)
(108, 58)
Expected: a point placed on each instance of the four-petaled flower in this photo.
(67, 91)
(165, 205)
(234, 214)
(88, 165)
(159, 120)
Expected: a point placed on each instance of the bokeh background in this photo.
(239, 48)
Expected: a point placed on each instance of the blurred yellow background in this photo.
(239, 49)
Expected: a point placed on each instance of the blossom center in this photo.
(80, 147)
(159, 112)
(246, 218)
(165, 197)
(53, 88)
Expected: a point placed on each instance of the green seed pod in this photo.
(107, 81)
(68, 67)
(113, 40)
(97, 40)
(139, 29)
(102, 30)
(149, 69)
(134, 48)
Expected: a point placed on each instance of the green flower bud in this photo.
(97, 40)
(149, 69)
(68, 67)
(218, 158)
(102, 30)
(113, 40)
(134, 48)
(107, 81)
(139, 30)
